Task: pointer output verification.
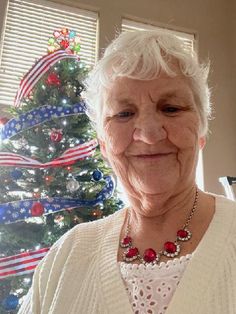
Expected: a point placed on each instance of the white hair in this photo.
(142, 55)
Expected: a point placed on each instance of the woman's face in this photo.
(151, 133)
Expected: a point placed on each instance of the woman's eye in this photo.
(124, 114)
(171, 109)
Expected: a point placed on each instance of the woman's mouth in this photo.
(152, 156)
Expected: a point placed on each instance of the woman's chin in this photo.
(155, 187)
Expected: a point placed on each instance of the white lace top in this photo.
(150, 288)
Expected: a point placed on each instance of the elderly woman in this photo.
(173, 250)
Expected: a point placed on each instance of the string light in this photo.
(27, 280)
(33, 149)
(84, 172)
(64, 101)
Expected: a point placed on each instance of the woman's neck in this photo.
(157, 211)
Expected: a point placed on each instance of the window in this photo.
(29, 24)
(189, 41)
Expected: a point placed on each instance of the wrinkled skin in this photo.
(151, 135)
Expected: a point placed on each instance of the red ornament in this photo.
(53, 80)
(64, 44)
(149, 255)
(56, 136)
(3, 120)
(170, 247)
(37, 209)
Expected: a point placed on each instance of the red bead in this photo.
(170, 247)
(126, 240)
(182, 233)
(132, 252)
(149, 255)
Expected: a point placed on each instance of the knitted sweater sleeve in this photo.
(49, 273)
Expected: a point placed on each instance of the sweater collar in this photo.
(113, 289)
(208, 258)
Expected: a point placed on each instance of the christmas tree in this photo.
(52, 173)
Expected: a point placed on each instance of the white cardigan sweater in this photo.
(80, 274)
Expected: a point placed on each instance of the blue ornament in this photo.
(16, 174)
(10, 302)
(97, 175)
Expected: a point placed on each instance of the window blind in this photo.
(28, 26)
(188, 39)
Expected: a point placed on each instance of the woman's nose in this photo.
(150, 129)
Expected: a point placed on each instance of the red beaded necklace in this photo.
(170, 249)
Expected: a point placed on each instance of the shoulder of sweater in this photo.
(88, 233)
(227, 210)
(225, 204)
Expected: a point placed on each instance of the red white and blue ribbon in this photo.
(21, 264)
(37, 116)
(70, 156)
(40, 68)
(21, 210)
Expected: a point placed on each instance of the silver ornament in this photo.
(72, 185)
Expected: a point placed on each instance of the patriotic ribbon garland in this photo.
(70, 156)
(38, 116)
(40, 68)
(21, 264)
(20, 210)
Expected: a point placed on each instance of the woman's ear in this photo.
(202, 142)
(102, 147)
